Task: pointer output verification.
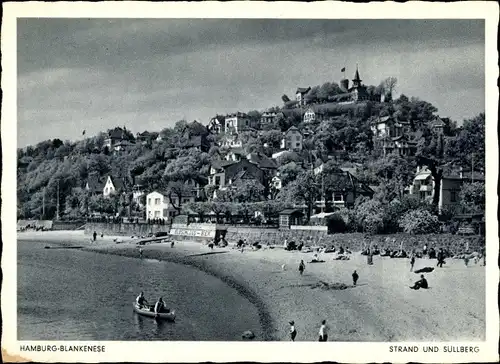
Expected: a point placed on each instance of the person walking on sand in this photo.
(440, 258)
(355, 277)
(293, 332)
(140, 253)
(412, 262)
(323, 332)
(94, 235)
(302, 267)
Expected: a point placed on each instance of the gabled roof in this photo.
(119, 183)
(292, 128)
(290, 211)
(303, 90)
(437, 122)
(262, 161)
(117, 133)
(218, 164)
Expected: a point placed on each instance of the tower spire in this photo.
(357, 80)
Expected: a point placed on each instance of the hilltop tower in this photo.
(358, 90)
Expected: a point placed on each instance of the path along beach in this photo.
(380, 308)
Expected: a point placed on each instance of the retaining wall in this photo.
(125, 229)
(67, 225)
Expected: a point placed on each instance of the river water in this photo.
(68, 294)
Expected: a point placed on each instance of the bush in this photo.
(419, 222)
(336, 224)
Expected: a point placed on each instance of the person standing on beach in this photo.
(323, 332)
(302, 267)
(140, 253)
(440, 258)
(293, 332)
(412, 262)
(424, 250)
(94, 235)
(355, 277)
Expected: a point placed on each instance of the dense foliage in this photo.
(53, 174)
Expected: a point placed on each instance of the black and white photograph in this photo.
(272, 176)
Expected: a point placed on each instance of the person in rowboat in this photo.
(141, 300)
(159, 306)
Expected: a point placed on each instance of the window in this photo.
(149, 201)
(165, 199)
(165, 213)
(338, 197)
(297, 145)
(186, 200)
(453, 196)
(217, 180)
(157, 201)
(157, 213)
(106, 190)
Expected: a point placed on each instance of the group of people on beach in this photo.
(323, 331)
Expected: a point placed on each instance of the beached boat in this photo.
(146, 311)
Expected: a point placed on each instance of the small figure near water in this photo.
(323, 332)
(355, 278)
(141, 300)
(172, 244)
(302, 267)
(293, 332)
(140, 253)
(412, 262)
(102, 235)
(94, 235)
(422, 283)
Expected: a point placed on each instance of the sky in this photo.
(146, 74)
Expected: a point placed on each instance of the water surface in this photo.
(68, 294)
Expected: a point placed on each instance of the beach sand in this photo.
(381, 307)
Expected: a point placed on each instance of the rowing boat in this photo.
(146, 311)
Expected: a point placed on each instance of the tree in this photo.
(370, 216)
(467, 150)
(389, 85)
(289, 172)
(248, 191)
(419, 222)
(304, 189)
(431, 153)
(473, 197)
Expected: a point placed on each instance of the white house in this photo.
(112, 186)
(309, 115)
(158, 205)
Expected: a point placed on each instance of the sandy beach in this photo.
(381, 307)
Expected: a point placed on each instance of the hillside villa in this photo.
(423, 184)
(292, 139)
(159, 206)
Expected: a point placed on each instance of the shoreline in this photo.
(354, 313)
(266, 321)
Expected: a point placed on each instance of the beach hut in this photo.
(290, 217)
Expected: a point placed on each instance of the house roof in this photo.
(292, 128)
(218, 164)
(117, 133)
(262, 161)
(437, 122)
(290, 212)
(303, 90)
(118, 183)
